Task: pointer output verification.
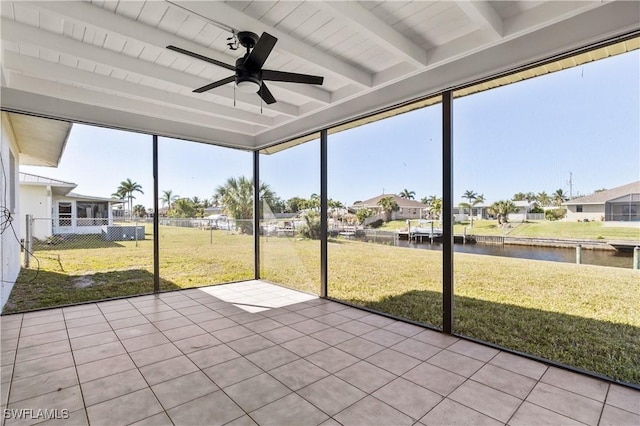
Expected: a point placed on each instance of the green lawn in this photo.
(581, 315)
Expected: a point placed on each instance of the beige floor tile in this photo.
(233, 371)
(404, 329)
(15, 332)
(256, 392)
(298, 374)
(31, 319)
(309, 326)
(154, 354)
(142, 342)
(217, 324)
(383, 337)
(272, 357)
(366, 376)
(520, 365)
(104, 367)
(203, 316)
(42, 384)
(125, 409)
(75, 418)
(486, 400)
(168, 369)
(290, 410)
(262, 325)
(196, 343)
(213, 409)
(160, 419)
(95, 353)
(434, 378)
(84, 321)
(250, 344)
(304, 346)
(88, 330)
(370, 411)
(532, 415)
(288, 318)
(625, 398)
(164, 315)
(36, 329)
(407, 397)
(232, 333)
(282, 334)
(128, 322)
(9, 345)
(360, 347)
(331, 394)
(183, 389)
(172, 323)
(212, 356)
(69, 399)
(577, 383)
(192, 310)
(504, 380)
(416, 349)
(41, 351)
(376, 320)
(456, 363)
(392, 361)
(332, 336)
(436, 338)
(566, 403)
(93, 340)
(42, 365)
(136, 331)
(473, 350)
(112, 386)
(126, 313)
(332, 359)
(613, 416)
(7, 357)
(356, 328)
(451, 413)
(184, 332)
(332, 319)
(41, 339)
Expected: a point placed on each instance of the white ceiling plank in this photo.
(218, 11)
(376, 29)
(70, 48)
(85, 95)
(122, 27)
(483, 15)
(47, 70)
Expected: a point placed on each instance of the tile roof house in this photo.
(621, 204)
(408, 209)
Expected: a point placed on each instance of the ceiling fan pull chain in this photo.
(234, 95)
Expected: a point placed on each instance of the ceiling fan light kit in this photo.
(249, 76)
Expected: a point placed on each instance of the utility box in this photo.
(122, 233)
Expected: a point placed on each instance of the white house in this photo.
(25, 140)
(620, 204)
(57, 210)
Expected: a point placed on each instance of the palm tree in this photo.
(502, 209)
(543, 198)
(470, 195)
(519, 196)
(478, 199)
(139, 210)
(388, 205)
(409, 195)
(559, 197)
(236, 198)
(435, 207)
(126, 190)
(168, 197)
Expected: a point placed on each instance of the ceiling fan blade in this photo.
(215, 84)
(266, 95)
(260, 52)
(203, 58)
(291, 77)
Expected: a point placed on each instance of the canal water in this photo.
(612, 258)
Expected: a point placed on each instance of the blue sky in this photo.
(523, 137)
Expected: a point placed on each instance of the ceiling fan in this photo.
(249, 76)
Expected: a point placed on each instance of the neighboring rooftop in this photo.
(402, 202)
(607, 195)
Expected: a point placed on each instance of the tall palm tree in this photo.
(126, 190)
(544, 199)
(502, 209)
(236, 198)
(435, 207)
(168, 197)
(559, 197)
(139, 210)
(388, 205)
(477, 199)
(409, 195)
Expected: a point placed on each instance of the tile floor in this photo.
(253, 352)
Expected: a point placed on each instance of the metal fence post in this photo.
(28, 243)
(579, 254)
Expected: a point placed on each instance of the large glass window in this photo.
(540, 161)
(205, 214)
(92, 213)
(385, 181)
(290, 216)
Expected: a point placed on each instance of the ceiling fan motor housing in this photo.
(245, 74)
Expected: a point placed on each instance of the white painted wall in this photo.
(35, 200)
(9, 245)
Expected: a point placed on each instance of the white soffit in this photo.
(106, 62)
(41, 141)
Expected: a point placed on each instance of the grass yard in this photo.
(581, 315)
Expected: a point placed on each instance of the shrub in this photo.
(311, 227)
(376, 224)
(555, 214)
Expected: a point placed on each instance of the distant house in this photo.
(621, 204)
(483, 211)
(58, 210)
(407, 209)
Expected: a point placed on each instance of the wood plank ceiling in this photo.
(106, 62)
